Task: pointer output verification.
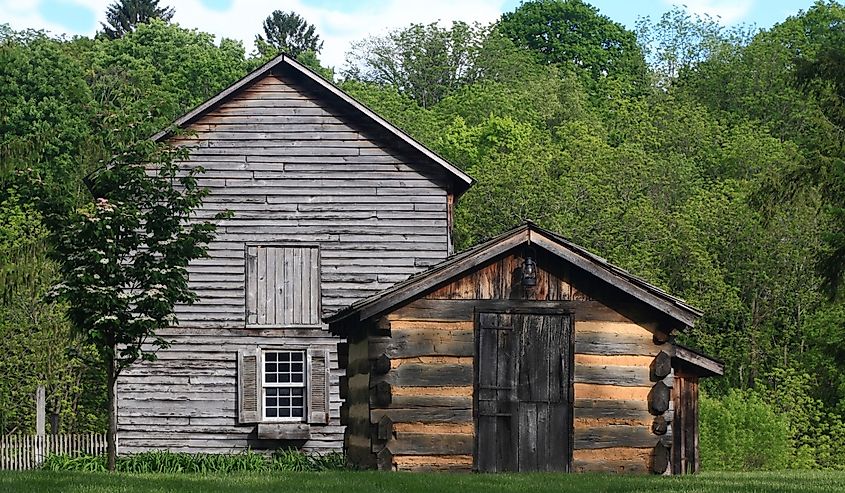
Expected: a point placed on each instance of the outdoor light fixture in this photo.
(529, 272)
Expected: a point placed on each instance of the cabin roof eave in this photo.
(527, 233)
(700, 363)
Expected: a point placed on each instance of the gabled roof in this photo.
(461, 180)
(528, 233)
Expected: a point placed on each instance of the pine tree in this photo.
(123, 15)
(288, 32)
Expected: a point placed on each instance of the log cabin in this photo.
(333, 315)
(525, 353)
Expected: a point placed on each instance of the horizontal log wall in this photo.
(424, 390)
(355, 410)
(292, 169)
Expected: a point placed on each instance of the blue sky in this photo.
(341, 22)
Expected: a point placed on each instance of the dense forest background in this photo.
(707, 160)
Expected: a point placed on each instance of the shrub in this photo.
(294, 460)
(741, 432)
(181, 462)
(817, 433)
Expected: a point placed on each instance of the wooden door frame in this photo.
(523, 307)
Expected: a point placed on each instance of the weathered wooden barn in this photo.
(524, 353)
(331, 204)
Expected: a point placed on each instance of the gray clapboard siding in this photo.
(293, 170)
(186, 400)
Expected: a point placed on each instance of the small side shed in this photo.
(524, 353)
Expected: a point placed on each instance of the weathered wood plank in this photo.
(424, 415)
(407, 343)
(457, 309)
(626, 376)
(427, 375)
(430, 444)
(614, 436)
(612, 460)
(452, 463)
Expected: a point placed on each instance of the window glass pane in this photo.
(284, 384)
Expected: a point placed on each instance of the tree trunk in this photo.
(111, 450)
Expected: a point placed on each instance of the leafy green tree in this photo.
(288, 32)
(514, 164)
(427, 62)
(679, 40)
(824, 77)
(45, 125)
(125, 257)
(574, 33)
(35, 335)
(512, 84)
(154, 74)
(124, 16)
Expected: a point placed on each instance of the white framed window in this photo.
(284, 385)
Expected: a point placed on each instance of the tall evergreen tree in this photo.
(123, 15)
(288, 32)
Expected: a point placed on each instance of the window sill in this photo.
(286, 327)
(284, 431)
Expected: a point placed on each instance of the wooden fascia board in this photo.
(466, 179)
(625, 285)
(427, 282)
(699, 360)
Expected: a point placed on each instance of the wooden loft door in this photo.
(523, 392)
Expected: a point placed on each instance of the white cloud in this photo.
(23, 14)
(726, 11)
(243, 21)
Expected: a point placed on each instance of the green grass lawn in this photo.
(374, 482)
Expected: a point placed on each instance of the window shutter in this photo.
(249, 385)
(251, 285)
(282, 286)
(318, 388)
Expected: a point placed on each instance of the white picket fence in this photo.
(22, 452)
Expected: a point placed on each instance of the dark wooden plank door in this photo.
(523, 392)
